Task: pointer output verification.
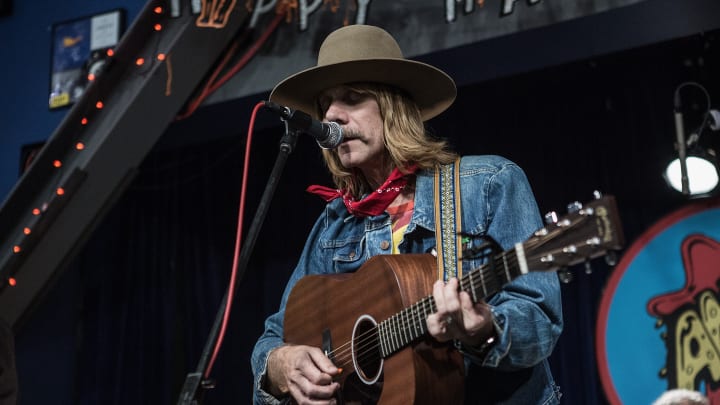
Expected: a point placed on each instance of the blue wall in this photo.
(25, 75)
(45, 350)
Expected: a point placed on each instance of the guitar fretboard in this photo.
(410, 324)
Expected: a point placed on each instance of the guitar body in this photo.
(327, 311)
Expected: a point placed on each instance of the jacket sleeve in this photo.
(272, 337)
(528, 310)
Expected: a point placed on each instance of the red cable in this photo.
(250, 52)
(238, 243)
(195, 103)
(211, 87)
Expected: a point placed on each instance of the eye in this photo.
(353, 97)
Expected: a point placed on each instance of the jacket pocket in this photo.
(347, 254)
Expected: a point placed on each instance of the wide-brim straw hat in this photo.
(364, 53)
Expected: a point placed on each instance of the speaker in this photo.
(5, 7)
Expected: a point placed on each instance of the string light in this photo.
(12, 281)
(80, 145)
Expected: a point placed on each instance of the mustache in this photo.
(352, 134)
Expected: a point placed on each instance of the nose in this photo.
(336, 113)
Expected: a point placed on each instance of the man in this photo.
(383, 203)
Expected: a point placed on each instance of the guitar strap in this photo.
(448, 219)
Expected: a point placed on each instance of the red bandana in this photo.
(374, 203)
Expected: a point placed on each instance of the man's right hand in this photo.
(304, 372)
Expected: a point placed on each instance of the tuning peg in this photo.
(551, 218)
(574, 206)
(597, 194)
(611, 258)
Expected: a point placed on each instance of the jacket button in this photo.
(351, 255)
(384, 245)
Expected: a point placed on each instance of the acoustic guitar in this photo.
(371, 323)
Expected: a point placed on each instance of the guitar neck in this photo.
(586, 232)
(410, 324)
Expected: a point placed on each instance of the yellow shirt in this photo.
(400, 216)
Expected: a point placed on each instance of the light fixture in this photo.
(695, 171)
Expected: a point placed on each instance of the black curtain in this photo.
(145, 289)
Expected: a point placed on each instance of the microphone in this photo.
(681, 145)
(327, 134)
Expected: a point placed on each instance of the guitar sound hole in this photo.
(366, 350)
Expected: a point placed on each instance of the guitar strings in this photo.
(405, 323)
(409, 324)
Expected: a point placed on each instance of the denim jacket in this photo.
(496, 201)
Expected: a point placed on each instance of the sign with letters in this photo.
(420, 27)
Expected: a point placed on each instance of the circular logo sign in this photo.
(659, 319)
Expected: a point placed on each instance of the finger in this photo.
(310, 397)
(439, 296)
(473, 314)
(322, 362)
(437, 321)
(305, 389)
(313, 393)
(451, 297)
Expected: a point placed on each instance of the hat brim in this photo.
(432, 89)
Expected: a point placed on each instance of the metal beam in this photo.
(53, 210)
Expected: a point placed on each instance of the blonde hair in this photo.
(405, 138)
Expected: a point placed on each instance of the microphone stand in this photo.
(682, 152)
(190, 393)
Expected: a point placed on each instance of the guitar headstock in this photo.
(588, 231)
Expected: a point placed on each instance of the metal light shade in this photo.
(702, 175)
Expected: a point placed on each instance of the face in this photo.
(359, 115)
